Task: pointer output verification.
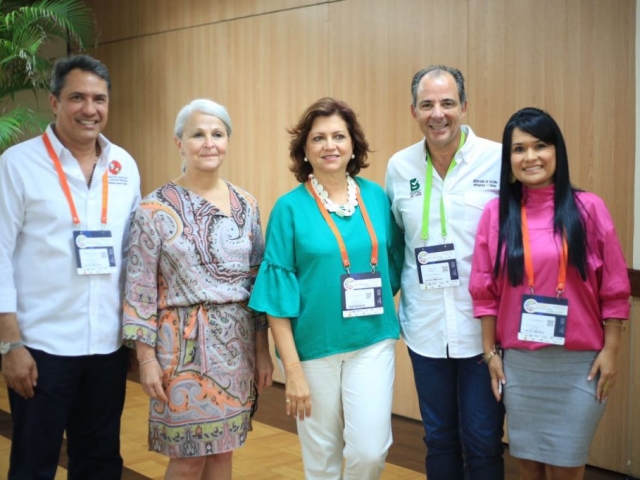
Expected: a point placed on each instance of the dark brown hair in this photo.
(325, 107)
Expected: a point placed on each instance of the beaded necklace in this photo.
(345, 210)
(98, 151)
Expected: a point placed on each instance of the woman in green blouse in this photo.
(331, 267)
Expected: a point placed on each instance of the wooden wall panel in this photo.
(244, 65)
(268, 60)
(126, 19)
(378, 50)
(278, 75)
(610, 447)
(574, 59)
(405, 396)
(633, 379)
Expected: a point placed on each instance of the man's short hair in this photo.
(438, 70)
(86, 63)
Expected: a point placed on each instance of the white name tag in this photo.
(361, 294)
(94, 252)
(543, 319)
(437, 267)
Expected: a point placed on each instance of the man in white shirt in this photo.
(66, 198)
(438, 188)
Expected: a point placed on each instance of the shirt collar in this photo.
(61, 150)
(464, 155)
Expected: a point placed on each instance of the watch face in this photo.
(6, 347)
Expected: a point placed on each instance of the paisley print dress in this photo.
(189, 274)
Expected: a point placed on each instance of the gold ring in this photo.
(288, 400)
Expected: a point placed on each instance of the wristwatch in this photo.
(6, 347)
(488, 356)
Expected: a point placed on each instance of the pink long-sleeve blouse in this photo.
(604, 294)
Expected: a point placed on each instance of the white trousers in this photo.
(351, 416)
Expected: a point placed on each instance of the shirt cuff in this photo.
(8, 300)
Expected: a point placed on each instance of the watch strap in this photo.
(7, 347)
(486, 357)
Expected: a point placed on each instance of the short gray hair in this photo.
(202, 105)
(438, 70)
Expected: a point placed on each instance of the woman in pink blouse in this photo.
(549, 283)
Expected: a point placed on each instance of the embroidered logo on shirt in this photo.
(114, 167)
(485, 183)
(414, 185)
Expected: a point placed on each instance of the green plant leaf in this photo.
(25, 27)
(18, 123)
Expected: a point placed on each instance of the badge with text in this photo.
(94, 252)
(361, 294)
(543, 319)
(437, 267)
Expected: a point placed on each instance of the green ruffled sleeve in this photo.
(396, 252)
(395, 238)
(276, 291)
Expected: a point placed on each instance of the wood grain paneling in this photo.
(268, 60)
(610, 444)
(574, 59)
(375, 49)
(123, 20)
(405, 396)
(245, 65)
(633, 380)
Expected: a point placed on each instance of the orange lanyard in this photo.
(528, 262)
(336, 232)
(65, 185)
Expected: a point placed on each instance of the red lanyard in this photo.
(336, 232)
(528, 262)
(65, 185)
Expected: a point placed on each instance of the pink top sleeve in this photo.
(605, 256)
(604, 294)
(483, 286)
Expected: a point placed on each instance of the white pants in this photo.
(351, 416)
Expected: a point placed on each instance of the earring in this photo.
(306, 159)
(512, 178)
(353, 155)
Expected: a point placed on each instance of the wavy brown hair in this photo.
(326, 107)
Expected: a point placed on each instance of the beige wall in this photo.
(267, 60)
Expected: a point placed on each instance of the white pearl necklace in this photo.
(345, 210)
